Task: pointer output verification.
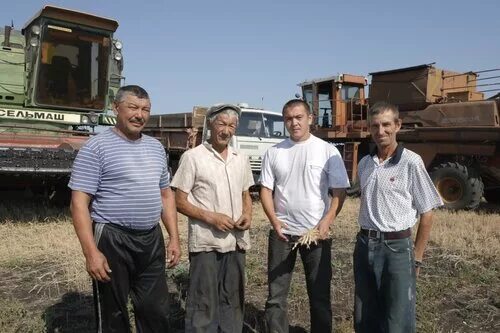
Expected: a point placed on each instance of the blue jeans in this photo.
(318, 271)
(384, 276)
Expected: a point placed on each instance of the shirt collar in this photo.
(395, 158)
(230, 150)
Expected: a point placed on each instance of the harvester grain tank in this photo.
(57, 77)
(445, 119)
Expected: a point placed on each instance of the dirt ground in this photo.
(43, 286)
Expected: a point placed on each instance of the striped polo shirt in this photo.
(124, 178)
(394, 192)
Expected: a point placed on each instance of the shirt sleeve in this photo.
(184, 177)
(86, 171)
(248, 176)
(424, 193)
(165, 173)
(337, 174)
(266, 178)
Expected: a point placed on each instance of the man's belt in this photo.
(370, 233)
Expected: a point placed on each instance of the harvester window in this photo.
(72, 71)
(349, 92)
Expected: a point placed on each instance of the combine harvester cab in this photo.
(58, 76)
(339, 107)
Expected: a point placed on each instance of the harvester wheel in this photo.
(492, 195)
(459, 186)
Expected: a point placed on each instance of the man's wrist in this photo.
(419, 264)
(174, 240)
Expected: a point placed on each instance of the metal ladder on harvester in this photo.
(350, 156)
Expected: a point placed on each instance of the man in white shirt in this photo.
(303, 181)
(395, 189)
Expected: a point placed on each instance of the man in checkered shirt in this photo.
(395, 190)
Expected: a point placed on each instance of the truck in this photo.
(258, 130)
(446, 120)
(58, 75)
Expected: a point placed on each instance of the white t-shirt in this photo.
(300, 173)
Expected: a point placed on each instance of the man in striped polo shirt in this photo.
(120, 191)
(395, 189)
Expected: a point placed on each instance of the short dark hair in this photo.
(381, 107)
(133, 90)
(296, 102)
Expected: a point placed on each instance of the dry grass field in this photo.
(44, 288)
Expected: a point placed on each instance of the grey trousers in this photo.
(318, 271)
(215, 300)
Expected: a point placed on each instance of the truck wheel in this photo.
(459, 186)
(492, 196)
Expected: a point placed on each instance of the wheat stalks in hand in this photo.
(311, 236)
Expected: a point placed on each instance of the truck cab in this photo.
(258, 130)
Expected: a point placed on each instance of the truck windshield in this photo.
(261, 125)
(73, 68)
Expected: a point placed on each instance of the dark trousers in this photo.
(384, 276)
(216, 294)
(137, 262)
(318, 271)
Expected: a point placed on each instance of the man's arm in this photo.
(96, 263)
(169, 219)
(336, 203)
(245, 220)
(423, 234)
(220, 221)
(266, 198)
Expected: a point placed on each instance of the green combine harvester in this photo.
(58, 76)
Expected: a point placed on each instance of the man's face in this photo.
(132, 114)
(222, 129)
(297, 122)
(383, 128)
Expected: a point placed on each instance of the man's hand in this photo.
(173, 253)
(324, 229)
(221, 222)
(279, 226)
(97, 266)
(243, 222)
(417, 271)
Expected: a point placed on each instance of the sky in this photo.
(187, 53)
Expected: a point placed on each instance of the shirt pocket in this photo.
(318, 174)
